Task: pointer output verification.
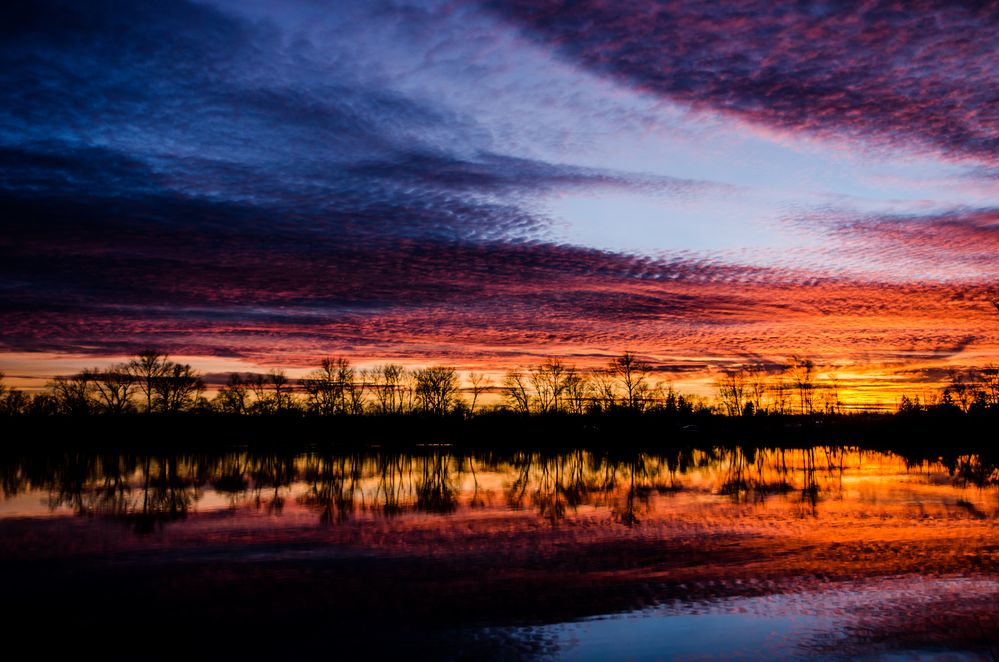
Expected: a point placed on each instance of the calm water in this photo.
(695, 554)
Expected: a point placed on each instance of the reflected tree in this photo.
(333, 484)
(437, 489)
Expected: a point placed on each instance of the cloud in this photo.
(194, 277)
(183, 100)
(918, 75)
(957, 244)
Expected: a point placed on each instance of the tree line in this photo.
(795, 388)
(966, 391)
(151, 383)
(790, 388)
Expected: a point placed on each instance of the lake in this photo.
(692, 553)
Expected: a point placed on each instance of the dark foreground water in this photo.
(699, 554)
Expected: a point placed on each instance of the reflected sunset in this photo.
(775, 533)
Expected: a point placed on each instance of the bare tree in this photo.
(331, 389)
(479, 382)
(389, 387)
(632, 373)
(731, 388)
(990, 383)
(72, 395)
(833, 404)
(15, 402)
(281, 389)
(802, 373)
(604, 387)
(147, 368)
(781, 394)
(515, 390)
(756, 386)
(664, 397)
(549, 381)
(257, 384)
(353, 391)
(962, 388)
(437, 389)
(12, 400)
(113, 387)
(320, 388)
(578, 393)
(177, 389)
(233, 398)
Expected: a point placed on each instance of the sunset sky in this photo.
(249, 184)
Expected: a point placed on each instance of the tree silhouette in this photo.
(332, 389)
(731, 388)
(147, 367)
(261, 402)
(756, 387)
(990, 383)
(833, 404)
(632, 373)
(113, 386)
(390, 387)
(281, 397)
(320, 387)
(802, 373)
(515, 391)
(233, 398)
(781, 390)
(12, 401)
(479, 383)
(550, 380)
(72, 395)
(437, 389)
(605, 389)
(578, 393)
(177, 388)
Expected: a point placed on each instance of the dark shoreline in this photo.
(943, 432)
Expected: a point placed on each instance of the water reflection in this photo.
(402, 549)
(149, 490)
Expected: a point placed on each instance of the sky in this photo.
(251, 184)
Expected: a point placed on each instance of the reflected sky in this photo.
(842, 621)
